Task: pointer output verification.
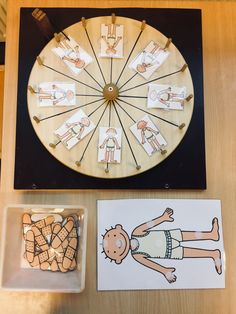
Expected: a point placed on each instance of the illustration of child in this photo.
(74, 129)
(72, 55)
(149, 58)
(111, 40)
(56, 95)
(148, 134)
(166, 97)
(111, 144)
(146, 244)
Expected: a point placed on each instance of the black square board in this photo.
(36, 168)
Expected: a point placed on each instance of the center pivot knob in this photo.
(110, 91)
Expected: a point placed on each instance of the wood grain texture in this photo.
(1, 103)
(219, 47)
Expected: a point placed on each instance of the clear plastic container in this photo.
(16, 273)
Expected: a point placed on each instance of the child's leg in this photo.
(200, 253)
(41, 97)
(213, 234)
(112, 156)
(69, 59)
(156, 143)
(153, 145)
(155, 48)
(114, 30)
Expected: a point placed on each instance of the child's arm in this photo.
(116, 143)
(143, 137)
(153, 131)
(143, 228)
(104, 143)
(167, 272)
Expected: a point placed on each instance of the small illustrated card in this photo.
(112, 40)
(159, 244)
(148, 135)
(52, 94)
(74, 129)
(109, 146)
(166, 97)
(150, 59)
(72, 54)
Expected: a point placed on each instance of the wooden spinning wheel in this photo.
(110, 93)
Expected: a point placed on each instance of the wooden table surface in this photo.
(2, 67)
(219, 53)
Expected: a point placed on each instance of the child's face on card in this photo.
(116, 244)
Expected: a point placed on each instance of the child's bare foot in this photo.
(215, 230)
(217, 260)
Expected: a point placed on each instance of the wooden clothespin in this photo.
(39, 60)
(59, 36)
(190, 96)
(83, 20)
(38, 14)
(169, 41)
(184, 67)
(143, 25)
(181, 126)
(43, 23)
(113, 18)
(36, 119)
(30, 89)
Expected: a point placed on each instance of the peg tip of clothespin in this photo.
(163, 151)
(143, 25)
(169, 41)
(39, 60)
(57, 37)
(181, 126)
(184, 67)
(190, 96)
(30, 89)
(83, 20)
(78, 163)
(36, 119)
(113, 18)
(138, 167)
(52, 145)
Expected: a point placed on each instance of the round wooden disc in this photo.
(128, 108)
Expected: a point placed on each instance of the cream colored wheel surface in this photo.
(112, 95)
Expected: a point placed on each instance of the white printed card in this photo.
(52, 94)
(149, 60)
(112, 40)
(109, 146)
(166, 97)
(74, 129)
(148, 135)
(159, 244)
(72, 54)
